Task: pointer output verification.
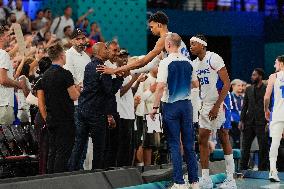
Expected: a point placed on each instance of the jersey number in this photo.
(282, 89)
(205, 80)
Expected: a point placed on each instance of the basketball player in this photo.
(214, 86)
(158, 24)
(275, 84)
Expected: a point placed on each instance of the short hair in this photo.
(174, 38)
(67, 7)
(237, 81)
(159, 17)
(55, 51)
(259, 71)
(96, 48)
(280, 58)
(113, 42)
(38, 11)
(202, 37)
(66, 28)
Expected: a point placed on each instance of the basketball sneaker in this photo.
(205, 183)
(273, 176)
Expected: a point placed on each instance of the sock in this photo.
(230, 166)
(140, 164)
(205, 173)
(273, 164)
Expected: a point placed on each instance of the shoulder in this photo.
(214, 56)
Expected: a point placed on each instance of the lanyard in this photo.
(236, 103)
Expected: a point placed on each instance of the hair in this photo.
(67, 7)
(66, 28)
(96, 48)
(44, 63)
(25, 70)
(202, 37)
(174, 38)
(159, 17)
(38, 11)
(109, 43)
(237, 81)
(55, 51)
(259, 71)
(280, 58)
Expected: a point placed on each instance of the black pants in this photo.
(249, 133)
(126, 146)
(235, 133)
(61, 141)
(112, 140)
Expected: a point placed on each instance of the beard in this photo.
(254, 81)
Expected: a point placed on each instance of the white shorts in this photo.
(204, 121)
(276, 128)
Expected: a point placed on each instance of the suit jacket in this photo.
(253, 107)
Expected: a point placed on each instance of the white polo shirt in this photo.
(6, 93)
(177, 73)
(76, 63)
(64, 22)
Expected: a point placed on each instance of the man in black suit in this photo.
(253, 121)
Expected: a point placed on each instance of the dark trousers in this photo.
(97, 127)
(112, 140)
(61, 141)
(42, 138)
(78, 164)
(126, 145)
(177, 119)
(235, 134)
(249, 133)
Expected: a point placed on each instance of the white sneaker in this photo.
(273, 176)
(179, 186)
(205, 183)
(229, 184)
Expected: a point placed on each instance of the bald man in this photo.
(175, 78)
(94, 106)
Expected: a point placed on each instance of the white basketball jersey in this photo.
(278, 107)
(207, 72)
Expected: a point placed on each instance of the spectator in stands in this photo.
(236, 109)
(4, 13)
(224, 5)
(94, 107)
(76, 61)
(125, 107)
(40, 125)
(151, 139)
(7, 84)
(83, 21)
(19, 12)
(192, 5)
(61, 22)
(56, 95)
(39, 21)
(66, 41)
(95, 33)
(49, 39)
(253, 122)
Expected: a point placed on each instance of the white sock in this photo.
(205, 173)
(230, 166)
(273, 164)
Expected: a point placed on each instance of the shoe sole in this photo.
(273, 180)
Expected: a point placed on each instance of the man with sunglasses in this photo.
(76, 61)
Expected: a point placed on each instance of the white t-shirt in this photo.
(177, 73)
(6, 93)
(148, 97)
(22, 103)
(76, 63)
(125, 104)
(210, 83)
(19, 14)
(64, 22)
(140, 109)
(278, 91)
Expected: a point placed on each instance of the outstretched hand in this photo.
(106, 70)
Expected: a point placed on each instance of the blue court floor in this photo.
(248, 183)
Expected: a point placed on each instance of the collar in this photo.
(174, 54)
